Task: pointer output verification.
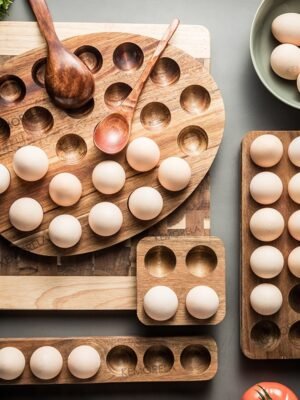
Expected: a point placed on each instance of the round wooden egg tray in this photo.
(180, 108)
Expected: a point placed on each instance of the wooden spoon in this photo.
(111, 135)
(68, 81)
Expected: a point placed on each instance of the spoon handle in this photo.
(44, 19)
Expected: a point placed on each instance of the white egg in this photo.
(65, 189)
(84, 362)
(285, 61)
(294, 225)
(30, 163)
(267, 224)
(294, 188)
(174, 174)
(105, 219)
(294, 262)
(294, 151)
(266, 187)
(108, 177)
(26, 214)
(46, 362)
(266, 299)
(266, 150)
(266, 262)
(12, 363)
(145, 203)
(143, 154)
(160, 303)
(65, 231)
(4, 178)
(286, 28)
(298, 83)
(202, 302)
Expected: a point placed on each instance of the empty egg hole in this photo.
(128, 56)
(294, 298)
(82, 111)
(294, 334)
(166, 72)
(116, 93)
(122, 360)
(158, 359)
(160, 261)
(195, 359)
(4, 131)
(38, 72)
(201, 261)
(265, 334)
(193, 140)
(195, 99)
(12, 89)
(71, 148)
(37, 119)
(91, 57)
(155, 116)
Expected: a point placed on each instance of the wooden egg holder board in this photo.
(90, 281)
(181, 263)
(276, 336)
(128, 359)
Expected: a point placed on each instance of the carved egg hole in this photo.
(38, 72)
(128, 57)
(71, 148)
(160, 261)
(201, 261)
(195, 99)
(122, 360)
(294, 298)
(265, 334)
(91, 57)
(82, 111)
(155, 116)
(193, 140)
(294, 334)
(166, 72)
(4, 131)
(37, 120)
(12, 89)
(158, 359)
(116, 93)
(195, 359)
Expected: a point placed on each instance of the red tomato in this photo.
(269, 391)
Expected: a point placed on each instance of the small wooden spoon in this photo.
(68, 81)
(111, 135)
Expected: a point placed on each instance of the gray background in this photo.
(249, 106)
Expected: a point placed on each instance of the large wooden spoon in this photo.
(68, 81)
(111, 135)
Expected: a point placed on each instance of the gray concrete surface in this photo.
(248, 106)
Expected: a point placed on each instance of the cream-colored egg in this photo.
(143, 154)
(267, 224)
(26, 214)
(46, 362)
(12, 363)
(266, 299)
(4, 179)
(298, 83)
(145, 203)
(266, 262)
(65, 231)
(108, 177)
(286, 28)
(65, 189)
(84, 362)
(294, 151)
(285, 61)
(294, 225)
(105, 219)
(30, 163)
(266, 187)
(294, 188)
(174, 174)
(202, 302)
(266, 150)
(160, 303)
(294, 262)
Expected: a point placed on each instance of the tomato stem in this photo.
(263, 394)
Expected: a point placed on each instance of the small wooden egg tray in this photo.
(181, 263)
(128, 359)
(180, 108)
(276, 336)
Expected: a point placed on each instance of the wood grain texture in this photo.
(195, 359)
(181, 263)
(276, 336)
